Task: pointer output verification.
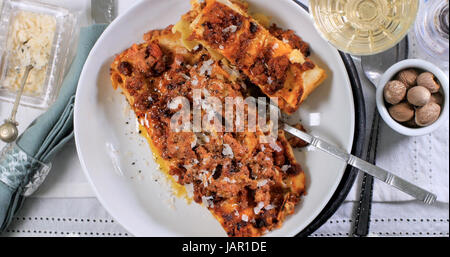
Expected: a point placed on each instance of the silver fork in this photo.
(364, 166)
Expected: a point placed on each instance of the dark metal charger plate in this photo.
(348, 179)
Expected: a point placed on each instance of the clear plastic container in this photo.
(65, 34)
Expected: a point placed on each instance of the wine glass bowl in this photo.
(363, 27)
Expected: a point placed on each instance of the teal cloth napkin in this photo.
(45, 137)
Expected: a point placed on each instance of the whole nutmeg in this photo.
(437, 98)
(418, 96)
(408, 77)
(401, 112)
(427, 114)
(394, 91)
(426, 80)
(411, 123)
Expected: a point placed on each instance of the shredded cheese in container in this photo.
(30, 43)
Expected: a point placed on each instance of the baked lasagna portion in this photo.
(249, 185)
(279, 67)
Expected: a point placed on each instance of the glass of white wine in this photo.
(364, 27)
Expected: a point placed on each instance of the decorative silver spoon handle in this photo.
(9, 130)
(20, 92)
(377, 172)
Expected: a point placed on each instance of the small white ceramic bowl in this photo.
(390, 75)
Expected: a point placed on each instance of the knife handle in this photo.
(362, 219)
(366, 167)
(391, 179)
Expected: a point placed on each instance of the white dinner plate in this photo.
(119, 164)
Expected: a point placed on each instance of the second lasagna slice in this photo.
(270, 63)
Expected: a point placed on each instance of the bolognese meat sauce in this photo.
(242, 181)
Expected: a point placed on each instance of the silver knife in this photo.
(377, 172)
(103, 11)
(373, 72)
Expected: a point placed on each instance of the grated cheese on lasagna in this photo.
(249, 186)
